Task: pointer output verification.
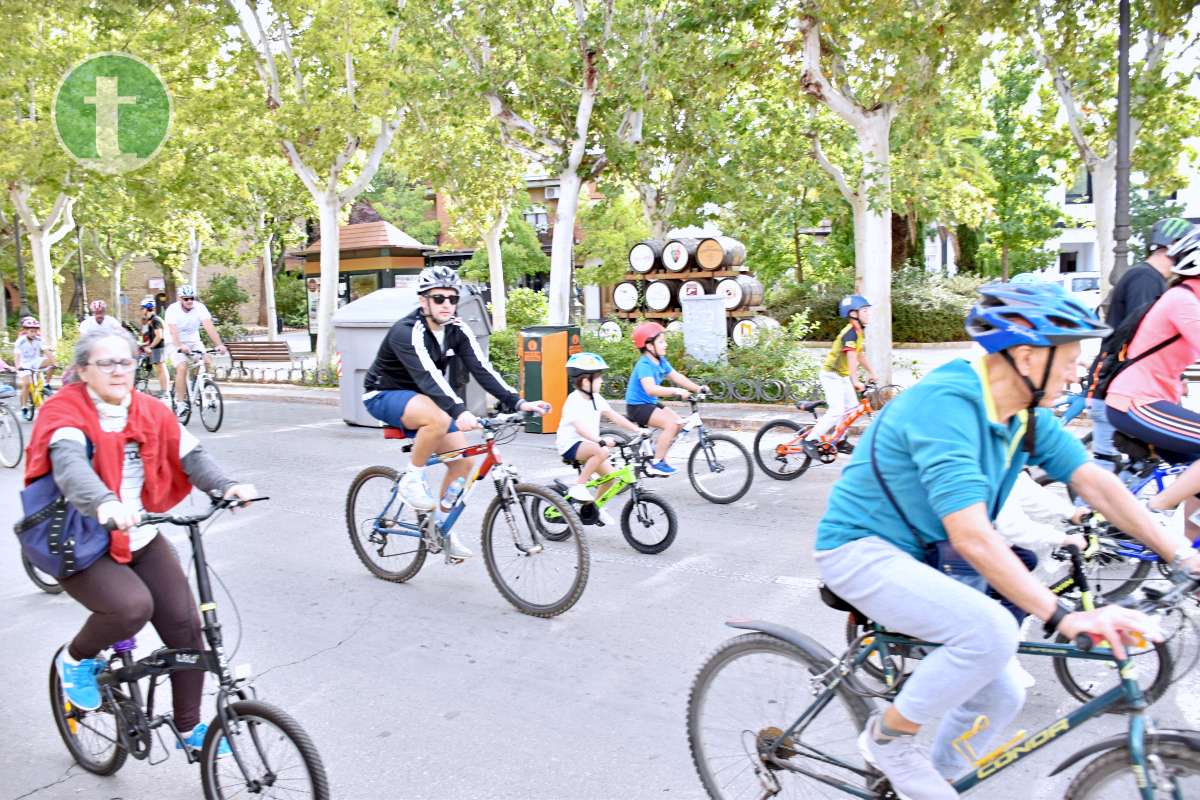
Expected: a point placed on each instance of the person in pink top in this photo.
(1144, 399)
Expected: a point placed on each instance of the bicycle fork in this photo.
(506, 489)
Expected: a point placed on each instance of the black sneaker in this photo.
(812, 449)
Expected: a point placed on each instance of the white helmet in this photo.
(1186, 253)
(187, 290)
(437, 277)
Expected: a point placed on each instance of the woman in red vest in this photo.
(141, 460)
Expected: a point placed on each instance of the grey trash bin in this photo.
(360, 327)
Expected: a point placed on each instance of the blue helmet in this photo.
(1036, 314)
(852, 302)
(1026, 278)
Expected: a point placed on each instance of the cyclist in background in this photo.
(407, 386)
(184, 318)
(839, 374)
(642, 404)
(1140, 286)
(30, 352)
(99, 320)
(154, 340)
(939, 463)
(1144, 400)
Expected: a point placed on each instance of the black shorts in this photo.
(641, 412)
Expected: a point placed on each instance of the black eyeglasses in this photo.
(438, 299)
(111, 365)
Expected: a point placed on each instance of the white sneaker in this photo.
(1022, 676)
(581, 493)
(415, 492)
(456, 549)
(606, 518)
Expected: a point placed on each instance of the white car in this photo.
(1083, 286)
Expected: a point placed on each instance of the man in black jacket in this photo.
(1139, 287)
(408, 386)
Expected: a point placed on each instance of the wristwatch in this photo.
(1060, 610)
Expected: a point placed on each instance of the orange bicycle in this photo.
(779, 444)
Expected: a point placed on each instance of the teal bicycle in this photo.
(774, 713)
(648, 522)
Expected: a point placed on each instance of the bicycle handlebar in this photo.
(1153, 600)
(219, 503)
(495, 421)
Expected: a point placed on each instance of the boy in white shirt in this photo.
(578, 437)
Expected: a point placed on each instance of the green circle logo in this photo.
(112, 112)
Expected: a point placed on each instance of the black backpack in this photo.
(1113, 357)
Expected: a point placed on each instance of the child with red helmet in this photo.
(642, 404)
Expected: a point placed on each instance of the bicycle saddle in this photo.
(811, 405)
(394, 433)
(1134, 448)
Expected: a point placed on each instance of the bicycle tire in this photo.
(582, 555)
(40, 579)
(796, 688)
(355, 522)
(743, 458)
(70, 720)
(1084, 691)
(555, 528)
(629, 529)
(211, 425)
(873, 665)
(1176, 759)
(766, 450)
(1126, 586)
(12, 439)
(255, 714)
(184, 410)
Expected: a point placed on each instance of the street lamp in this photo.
(1121, 221)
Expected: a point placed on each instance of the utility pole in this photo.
(24, 310)
(1121, 222)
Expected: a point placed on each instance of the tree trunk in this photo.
(1004, 262)
(650, 209)
(48, 306)
(491, 240)
(796, 245)
(194, 257)
(562, 247)
(23, 308)
(1104, 199)
(873, 239)
(269, 291)
(328, 206)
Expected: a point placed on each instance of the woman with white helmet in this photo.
(1144, 399)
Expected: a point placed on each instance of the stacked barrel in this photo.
(662, 274)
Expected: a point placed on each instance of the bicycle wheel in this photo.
(899, 659)
(279, 759)
(748, 693)
(212, 406)
(12, 440)
(549, 522)
(777, 449)
(1114, 576)
(42, 580)
(90, 736)
(649, 523)
(183, 410)
(1171, 764)
(373, 505)
(539, 576)
(720, 468)
(1086, 680)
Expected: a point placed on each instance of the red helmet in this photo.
(98, 305)
(645, 332)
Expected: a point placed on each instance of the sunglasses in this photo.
(438, 299)
(187, 299)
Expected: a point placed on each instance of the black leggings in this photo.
(124, 597)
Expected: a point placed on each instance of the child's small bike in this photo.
(779, 444)
(39, 391)
(648, 522)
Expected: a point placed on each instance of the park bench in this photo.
(241, 352)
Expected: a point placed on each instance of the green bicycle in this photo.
(648, 522)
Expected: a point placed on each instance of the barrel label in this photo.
(625, 296)
(675, 256)
(641, 258)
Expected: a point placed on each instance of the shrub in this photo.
(526, 307)
(291, 299)
(222, 299)
(502, 352)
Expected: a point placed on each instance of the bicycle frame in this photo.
(1127, 693)
(795, 446)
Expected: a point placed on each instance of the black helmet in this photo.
(1167, 232)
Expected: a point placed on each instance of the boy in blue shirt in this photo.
(936, 466)
(645, 388)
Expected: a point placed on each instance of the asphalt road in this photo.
(438, 688)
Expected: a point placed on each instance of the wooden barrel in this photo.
(747, 331)
(743, 291)
(675, 326)
(645, 256)
(610, 331)
(679, 254)
(720, 252)
(660, 295)
(694, 289)
(625, 296)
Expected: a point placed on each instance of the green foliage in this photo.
(291, 299)
(223, 298)
(403, 203)
(64, 349)
(1147, 207)
(610, 228)
(527, 307)
(520, 253)
(502, 352)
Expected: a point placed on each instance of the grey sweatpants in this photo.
(967, 676)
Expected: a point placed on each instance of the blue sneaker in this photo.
(196, 741)
(661, 468)
(79, 680)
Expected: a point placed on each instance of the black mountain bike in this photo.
(269, 755)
